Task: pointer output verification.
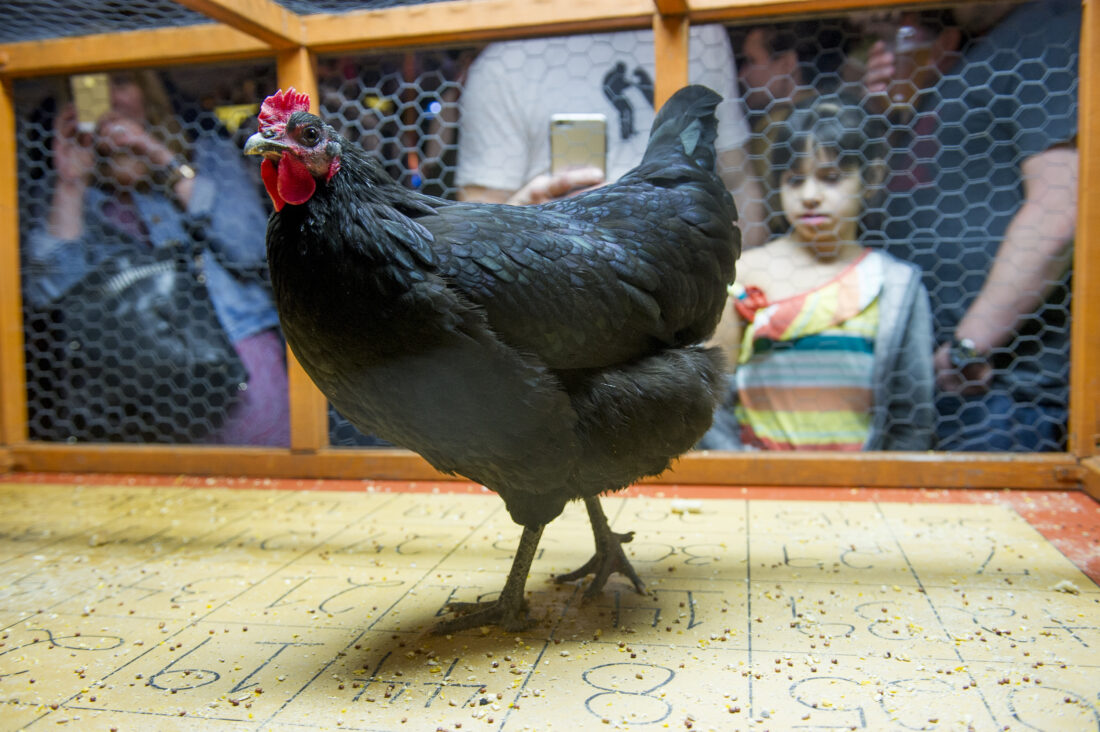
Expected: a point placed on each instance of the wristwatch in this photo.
(964, 353)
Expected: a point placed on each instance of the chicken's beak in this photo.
(260, 145)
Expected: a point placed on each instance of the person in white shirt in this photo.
(514, 87)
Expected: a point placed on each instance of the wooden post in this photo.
(1084, 387)
(13, 392)
(670, 46)
(308, 407)
(1090, 476)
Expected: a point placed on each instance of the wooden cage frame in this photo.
(257, 29)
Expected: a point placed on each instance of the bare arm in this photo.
(540, 189)
(73, 160)
(727, 335)
(1033, 255)
(481, 194)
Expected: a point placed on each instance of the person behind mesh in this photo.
(829, 340)
(984, 200)
(778, 66)
(781, 63)
(135, 182)
(512, 88)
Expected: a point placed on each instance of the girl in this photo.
(830, 341)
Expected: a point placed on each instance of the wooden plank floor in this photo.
(146, 603)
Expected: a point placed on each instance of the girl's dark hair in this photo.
(841, 127)
(834, 124)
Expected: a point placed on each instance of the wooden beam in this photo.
(308, 407)
(1084, 412)
(671, 48)
(13, 391)
(261, 462)
(1037, 471)
(195, 44)
(671, 7)
(440, 23)
(457, 21)
(262, 19)
(463, 21)
(881, 470)
(1090, 479)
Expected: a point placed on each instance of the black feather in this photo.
(550, 352)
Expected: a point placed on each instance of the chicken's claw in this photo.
(602, 564)
(609, 556)
(509, 610)
(476, 614)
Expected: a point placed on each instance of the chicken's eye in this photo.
(310, 136)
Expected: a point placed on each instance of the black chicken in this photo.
(548, 352)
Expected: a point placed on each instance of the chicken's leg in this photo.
(509, 610)
(609, 556)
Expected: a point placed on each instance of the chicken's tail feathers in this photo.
(686, 125)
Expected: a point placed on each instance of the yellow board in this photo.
(138, 608)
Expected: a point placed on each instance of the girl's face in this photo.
(821, 200)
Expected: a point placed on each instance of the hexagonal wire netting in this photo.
(403, 108)
(905, 323)
(309, 7)
(149, 316)
(26, 21)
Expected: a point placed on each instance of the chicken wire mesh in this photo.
(402, 108)
(949, 156)
(310, 7)
(23, 19)
(951, 123)
(26, 20)
(149, 316)
(971, 126)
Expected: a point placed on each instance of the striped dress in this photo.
(804, 374)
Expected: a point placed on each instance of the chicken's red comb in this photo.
(277, 108)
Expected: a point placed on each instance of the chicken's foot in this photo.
(609, 556)
(509, 610)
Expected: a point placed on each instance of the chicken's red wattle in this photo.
(289, 182)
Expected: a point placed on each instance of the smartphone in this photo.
(578, 140)
(92, 99)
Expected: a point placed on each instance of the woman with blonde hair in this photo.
(134, 183)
